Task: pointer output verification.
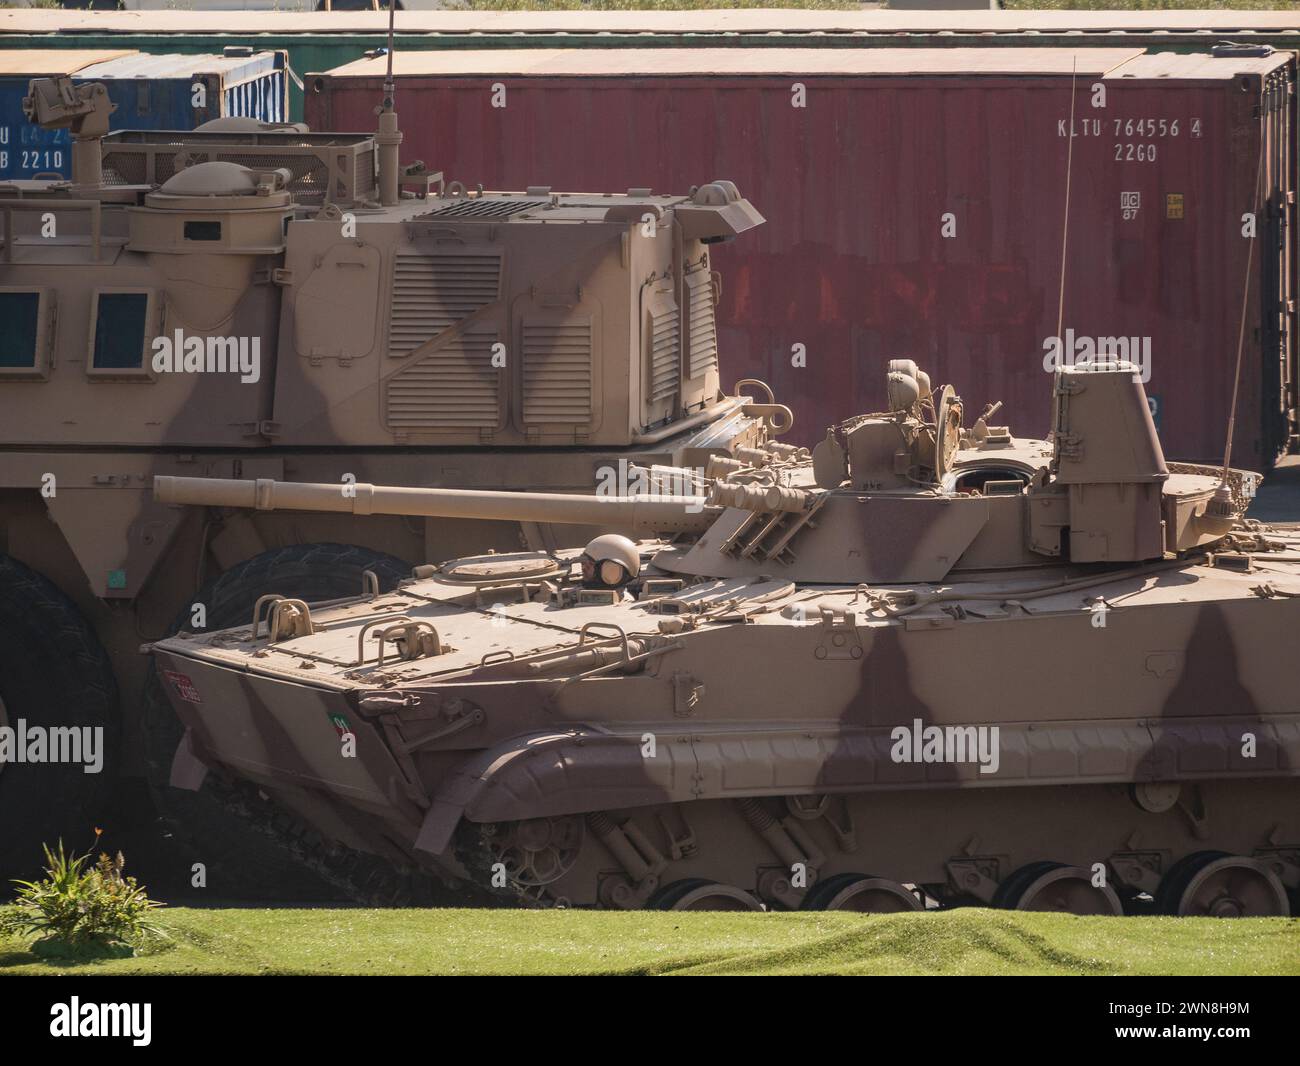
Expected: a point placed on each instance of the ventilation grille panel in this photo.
(363, 182)
(703, 336)
(481, 207)
(665, 346)
(433, 292)
(557, 372)
(454, 387)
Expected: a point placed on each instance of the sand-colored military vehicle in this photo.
(271, 302)
(926, 664)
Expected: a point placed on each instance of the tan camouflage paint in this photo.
(1173, 670)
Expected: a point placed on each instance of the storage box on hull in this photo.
(155, 92)
(915, 201)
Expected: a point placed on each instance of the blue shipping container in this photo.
(152, 92)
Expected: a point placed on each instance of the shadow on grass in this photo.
(198, 903)
(68, 961)
(66, 957)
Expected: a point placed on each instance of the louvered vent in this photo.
(557, 372)
(665, 346)
(364, 179)
(453, 387)
(432, 292)
(703, 336)
(481, 207)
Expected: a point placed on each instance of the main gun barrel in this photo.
(655, 513)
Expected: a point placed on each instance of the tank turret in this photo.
(886, 497)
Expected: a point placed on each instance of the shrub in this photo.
(80, 906)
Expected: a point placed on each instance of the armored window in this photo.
(20, 312)
(24, 332)
(203, 231)
(122, 324)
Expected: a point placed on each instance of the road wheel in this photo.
(1214, 884)
(227, 826)
(53, 673)
(858, 892)
(700, 894)
(1054, 886)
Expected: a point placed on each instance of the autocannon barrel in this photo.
(676, 514)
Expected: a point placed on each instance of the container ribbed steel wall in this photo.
(853, 264)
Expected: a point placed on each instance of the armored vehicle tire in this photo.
(53, 673)
(1214, 884)
(250, 847)
(1054, 886)
(860, 892)
(700, 894)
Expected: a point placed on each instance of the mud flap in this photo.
(188, 770)
(438, 827)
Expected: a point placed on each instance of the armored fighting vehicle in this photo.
(924, 665)
(271, 302)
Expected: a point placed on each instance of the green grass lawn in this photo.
(358, 941)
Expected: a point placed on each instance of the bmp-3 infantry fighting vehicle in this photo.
(254, 301)
(924, 664)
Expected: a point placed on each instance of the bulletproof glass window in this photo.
(20, 313)
(119, 330)
(202, 231)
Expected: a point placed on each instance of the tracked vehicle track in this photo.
(359, 876)
(628, 860)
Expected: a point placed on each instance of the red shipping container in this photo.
(915, 201)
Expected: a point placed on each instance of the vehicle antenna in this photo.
(1065, 237)
(389, 87)
(389, 137)
(1065, 220)
(1245, 299)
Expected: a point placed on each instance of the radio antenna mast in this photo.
(389, 137)
(1065, 238)
(1065, 220)
(1245, 299)
(389, 87)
